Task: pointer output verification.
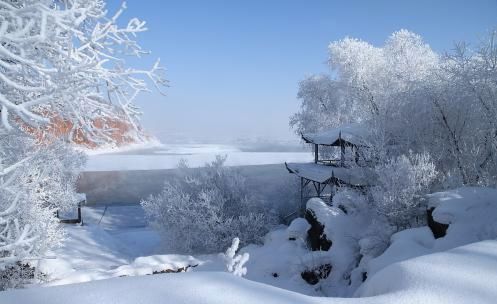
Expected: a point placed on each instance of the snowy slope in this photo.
(471, 213)
(462, 275)
(459, 276)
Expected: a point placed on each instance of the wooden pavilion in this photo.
(325, 175)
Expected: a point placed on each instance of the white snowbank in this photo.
(157, 263)
(459, 276)
(298, 229)
(462, 275)
(471, 213)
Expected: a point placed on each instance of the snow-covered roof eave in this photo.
(323, 174)
(293, 170)
(353, 134)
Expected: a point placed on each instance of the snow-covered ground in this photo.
(459, 276)
(115, 241)
(110, 237)
(168, 157)
(112, 258)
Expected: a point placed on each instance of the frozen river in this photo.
(168, 157)
(129, 176)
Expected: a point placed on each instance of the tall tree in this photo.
(59, 59)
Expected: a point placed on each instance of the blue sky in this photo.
(234, 66)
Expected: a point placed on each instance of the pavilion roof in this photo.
(353, 133)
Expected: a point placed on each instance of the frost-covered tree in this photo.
(59, 60)
(206, 208)
(412, 99)
(64, 60)
(400, 185)
(35, 181)
(431, 119)
(465, 104)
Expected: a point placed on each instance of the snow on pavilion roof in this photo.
(353, 133)
(321, 173)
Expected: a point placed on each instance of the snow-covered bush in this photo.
(235, 263)
(400, 186)
(17, 275)
(206, 208)
(36, 180)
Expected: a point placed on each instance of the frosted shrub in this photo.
(401, 182)
(206, 208)
(35, 181)
(235, 263)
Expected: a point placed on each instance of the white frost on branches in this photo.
(412, 99)
(401, 183)
(204, 209)
(431, 118)
(64, 59)
(35, 182)
(235, 263)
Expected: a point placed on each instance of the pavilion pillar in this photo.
(316, 153)
(332, 193)
(302, 195)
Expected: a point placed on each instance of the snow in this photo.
(404, 245)
(279, 262)
(110, 237)
(166, 288)
(353, 133)
(156, 263)
(298, 229)
(464, 204)
(119, 244)
(322, 173)
(343, 230)
(470, 213)
(195, 156)
(462, 275)
(416, 268)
